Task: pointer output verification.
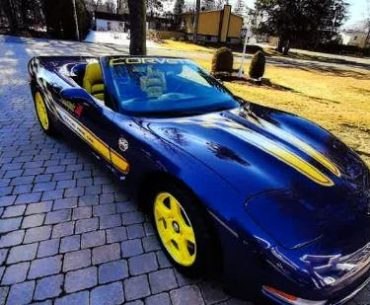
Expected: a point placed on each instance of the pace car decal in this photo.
(90, 138)
(309, 150)
(269, 146)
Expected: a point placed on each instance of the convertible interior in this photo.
(89, 76)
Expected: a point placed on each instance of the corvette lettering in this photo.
(146, 60)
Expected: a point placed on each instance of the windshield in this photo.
(152, 86)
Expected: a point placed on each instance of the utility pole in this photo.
(196, 21)
(76, 20)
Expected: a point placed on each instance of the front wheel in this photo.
(43, 114)
(183, 229)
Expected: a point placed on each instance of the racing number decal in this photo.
(96, 143)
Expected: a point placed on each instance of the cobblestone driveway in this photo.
(69, 234)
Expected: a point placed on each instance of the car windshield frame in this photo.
(227, 100)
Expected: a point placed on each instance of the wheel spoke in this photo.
(188, 234)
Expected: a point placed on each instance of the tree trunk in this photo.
(11, 15)
(137, 10)
(280, 45)
(196, 22)
(286, 47)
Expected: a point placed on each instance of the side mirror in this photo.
(77, 94)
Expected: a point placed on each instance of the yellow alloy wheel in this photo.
(175, 229)
(41, 111)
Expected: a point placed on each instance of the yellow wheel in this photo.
(41, 111)
(185, 232)
(175, 229)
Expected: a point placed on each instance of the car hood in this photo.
(258, 149)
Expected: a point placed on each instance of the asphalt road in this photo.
(68, 232)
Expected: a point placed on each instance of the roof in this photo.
(110, 16)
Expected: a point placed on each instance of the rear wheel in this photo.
(43, 114)
(182, 228)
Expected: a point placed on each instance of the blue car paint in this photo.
(276, 227)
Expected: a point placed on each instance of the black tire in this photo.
(51, 129)
(205, 260)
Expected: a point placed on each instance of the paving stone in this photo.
(63, 229)
(143, 263)
(49, 287)
(21, 293)
(47, 302)
(110, 221)
(22, 253)
(103, 210)
(11, 239)
(136, 287)
(186, 295)
(13, 211)
(55, 217)
(93, 190)
(108, 294)
(7, 200)
(132, 218)
(106, 253)
(15, 273)
(79, 298)
(48, 248)
(3, 294)
(116, 234)
(37, 234)
(70, 243)
(151, 243)
(86, 225)
(3, 254)
(106, 199)
(158, 299)
(113, 271)
(52, 195)
(162, 280)
(39, 207)
(135, 231)
(45, 266)
(76, 260)
(44, 186)
(74, 192)
(131, 248)
(10, 224)
(21, 189)
(66, 203)
(93, 239)
(81, 213)
(212, 292)
(148, 228)
(163, 260)
(28, 198)
(80, 279)
(137, 302)
(33, 221)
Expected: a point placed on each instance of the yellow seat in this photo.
(93, 80)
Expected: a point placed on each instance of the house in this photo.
(355, 38)
(214, 26)
(110, 22)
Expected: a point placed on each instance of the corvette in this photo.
(274, 203)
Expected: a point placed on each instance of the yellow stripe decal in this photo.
(96, 143)
(285, 156)
(309, 150)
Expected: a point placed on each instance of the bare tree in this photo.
(137, 10)
(196, 22)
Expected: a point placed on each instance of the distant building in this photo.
(110, 22)
(215, 26)
(354, 38)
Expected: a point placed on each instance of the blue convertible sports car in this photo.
(274, 203)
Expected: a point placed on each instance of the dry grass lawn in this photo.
(337, 99)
